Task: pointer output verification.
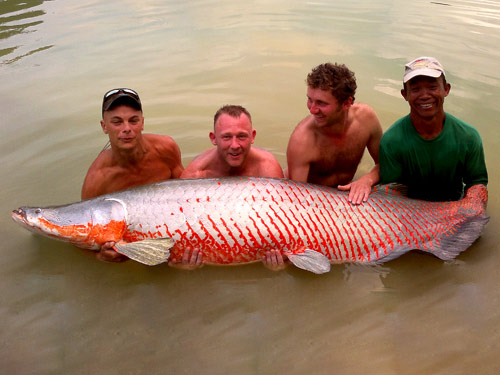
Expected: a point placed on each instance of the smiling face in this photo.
(233, 137)
(124, 126)
(425, 95)
(325, 107)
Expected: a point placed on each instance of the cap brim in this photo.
(122, 98)
(422, 72)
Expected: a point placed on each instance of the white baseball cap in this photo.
(423, 66)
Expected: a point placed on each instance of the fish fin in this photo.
(310, 260)
(450, 245)
(150, 252)
(473, 208)
(468, 232)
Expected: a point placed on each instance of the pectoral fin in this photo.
(310, 260)
(149, 252)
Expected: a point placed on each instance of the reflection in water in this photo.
(18, 17)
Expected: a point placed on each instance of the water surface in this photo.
(63, 312)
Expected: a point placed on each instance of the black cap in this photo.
(121, 96)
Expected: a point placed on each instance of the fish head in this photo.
(86, 224)
(28, 217)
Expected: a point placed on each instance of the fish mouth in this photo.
(19, 215)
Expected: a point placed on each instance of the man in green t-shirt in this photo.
(432, 152)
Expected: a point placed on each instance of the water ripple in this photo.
(18, 17)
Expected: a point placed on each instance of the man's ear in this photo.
(254, 133)
(447, 89)
(403, 93)
(347, 103)
(211, 135)
(103, 126)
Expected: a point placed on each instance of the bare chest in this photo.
(120, 178)
(338, 153)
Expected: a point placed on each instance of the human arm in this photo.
(475, 165)
(171, 154)
(93, 184)
(360, 189)
(298, 154)
(108, 253)
(197, 167)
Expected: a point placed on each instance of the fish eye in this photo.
(38, 210)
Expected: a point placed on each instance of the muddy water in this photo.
(62, 311)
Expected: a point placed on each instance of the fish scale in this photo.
(234, 220)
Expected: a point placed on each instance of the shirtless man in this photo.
(234, 155)
(327, 146)
(133, 158)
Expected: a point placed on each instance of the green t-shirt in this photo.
(433, 169)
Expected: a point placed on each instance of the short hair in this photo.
(233, 111)
(334, 77)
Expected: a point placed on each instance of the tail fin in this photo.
(471, 211)
(473, 205)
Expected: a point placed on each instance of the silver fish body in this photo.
(233, 220)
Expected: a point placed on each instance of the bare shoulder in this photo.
(303, 134)
(199, 166)
(101, 162)
(266, 164)
(365, 114)
(302, 143)
(99, 172)
(162, 143)
(263, 155)
(304, 126)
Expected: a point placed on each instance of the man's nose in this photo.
(126, 126)
(313, 109)
(425, 92)
(234, 142)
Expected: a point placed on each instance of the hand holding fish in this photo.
(191, 259)
(359, 190)
(108, 253)
(274, 261)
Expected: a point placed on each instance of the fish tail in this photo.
(477, 195)
(467, 232)
(473, 208)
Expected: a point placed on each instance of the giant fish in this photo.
(234, 220)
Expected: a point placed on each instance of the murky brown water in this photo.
(63, 312)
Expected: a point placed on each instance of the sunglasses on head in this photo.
(126, 91)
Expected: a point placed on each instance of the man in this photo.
(432, 152)
(327, 146)
(133, 158)
(233, 136)
(233, 155)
